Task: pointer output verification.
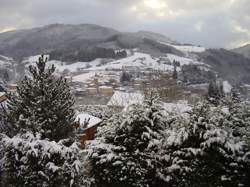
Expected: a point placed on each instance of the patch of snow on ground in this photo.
(137, 60)
(74, 67)
(186, 48)
(183, 60)
(5, 61)
(227, 87)
(83, 77)
(189, 48)
(61, 66)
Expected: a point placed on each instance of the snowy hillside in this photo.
(186, 48)
(145, 61)
(5, 61)
(137, 60)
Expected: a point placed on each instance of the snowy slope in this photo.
(83, 77)
(189, 48)
(62, 66)
(183, 60)
(186, 48)
(136, 61)
(5, 61)
(146, 61)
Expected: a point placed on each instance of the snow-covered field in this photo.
(183, 60)
(187, 48)
(62, 66)
(83, 77)
(137, 61)
(5, 61)
(145, 61)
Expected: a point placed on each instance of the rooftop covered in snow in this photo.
(86, 120)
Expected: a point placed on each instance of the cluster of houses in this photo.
(4, 90)
(97, 85)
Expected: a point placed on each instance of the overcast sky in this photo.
(211, 23)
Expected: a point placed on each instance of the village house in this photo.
(3, 99)
(69, 79)
(92, 90)
(12, 87)
(80, 91)
(86, 126)
(106, 90)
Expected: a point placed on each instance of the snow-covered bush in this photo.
(43, 103)
(126, 152)
(201, 153)
(100, 111)
(238, 119)
(143, 147)
(30, 161)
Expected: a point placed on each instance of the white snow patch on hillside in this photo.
(5, 61)
(186, 48)
(189, 48)
(143, 61)
(83, 77)
(74, 67)
(183, 60)
(227, 87)
(137, 60)
(61, 66)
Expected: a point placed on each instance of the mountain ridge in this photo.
(243, 50)
(28, 42)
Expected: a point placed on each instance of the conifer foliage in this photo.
(204, 154)
(144, 147)
(30, 161)
(43, 104)
(126, 153)
(39, 151)
(215, 92)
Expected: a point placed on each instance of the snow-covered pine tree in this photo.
(238, 119)
(175, 74)
(30, 161)
(202, 154)
(43, 103)
(143, 147)
(215, 92)
(126, 151)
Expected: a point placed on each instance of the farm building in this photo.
(86, 125)
(106, 90)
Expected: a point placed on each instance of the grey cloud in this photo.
(218, 18)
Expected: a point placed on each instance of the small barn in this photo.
(106, 90)
(86, 127)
